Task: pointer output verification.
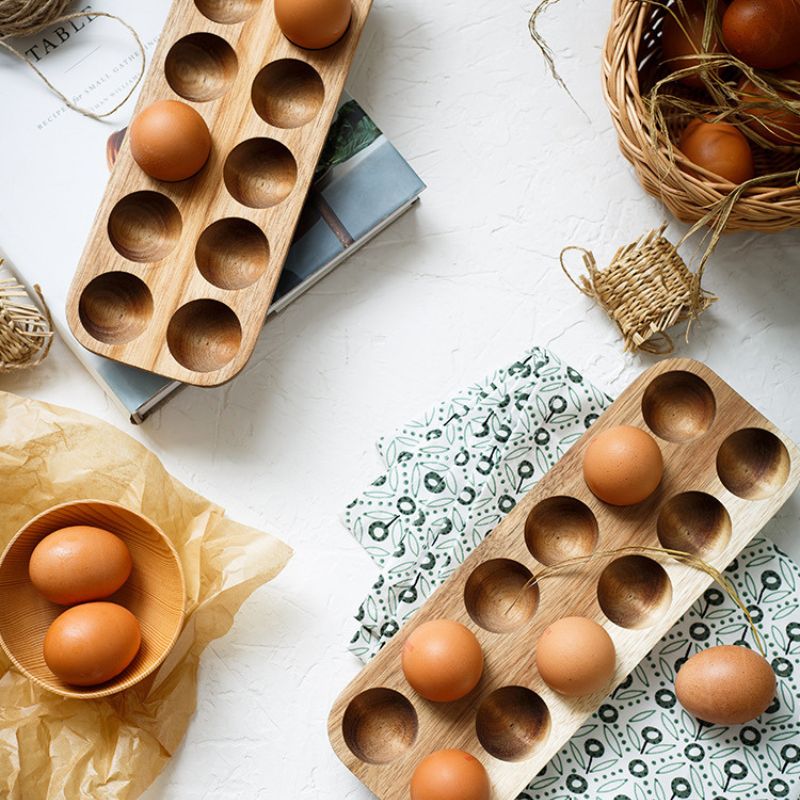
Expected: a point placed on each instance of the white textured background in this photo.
(464, 282)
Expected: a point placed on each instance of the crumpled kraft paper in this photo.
(53, 748)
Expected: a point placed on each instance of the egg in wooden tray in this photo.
(198, 216)
(572, 589)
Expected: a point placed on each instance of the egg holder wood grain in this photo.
(155, 593)
(727, 471)
(176, 278)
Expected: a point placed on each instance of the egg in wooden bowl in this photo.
(149, 592)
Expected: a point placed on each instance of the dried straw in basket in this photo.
(631, 69)
(633, 75)
(648, 288)
(645, 290)
(26, 333)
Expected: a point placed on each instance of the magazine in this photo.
(60, 167)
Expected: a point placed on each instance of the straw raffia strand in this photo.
(26, 332)
(646, 289)
(690, 559)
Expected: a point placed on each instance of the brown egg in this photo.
(313, 24)
(763, 33)
(450, 775)
(575, 656)
(720, 148)
(776, 124)
(79, 563)
(170, 141)
(442, 660)
(726, 685)
(623, 466)
(91, 643)
(682, 37)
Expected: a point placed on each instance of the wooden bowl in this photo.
(155, 593)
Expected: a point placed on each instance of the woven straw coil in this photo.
(26, 331)
(631, 66)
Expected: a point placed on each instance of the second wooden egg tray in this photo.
(176, 278)
(727, 470)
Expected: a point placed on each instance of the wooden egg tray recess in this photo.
(176, 278)
(727, 470)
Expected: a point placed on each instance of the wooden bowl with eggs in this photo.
(633, 62)
(153, 591)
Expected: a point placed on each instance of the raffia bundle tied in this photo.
(646, 289)
(28, 17)
(26, 332)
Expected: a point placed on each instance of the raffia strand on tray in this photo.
(691, 560)
(26, 332)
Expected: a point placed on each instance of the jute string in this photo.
(28, 17)
(26, 333)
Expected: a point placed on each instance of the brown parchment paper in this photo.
(53, 748)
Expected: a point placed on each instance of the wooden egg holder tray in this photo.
(727, 471)
(176, 278)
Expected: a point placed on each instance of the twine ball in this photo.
(21, 17)
(23, 342)
(26, 331)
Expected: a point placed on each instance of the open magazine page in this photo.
(55, 158)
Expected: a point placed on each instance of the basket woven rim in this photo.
(686, 189)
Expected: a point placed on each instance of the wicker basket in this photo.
(631, 66)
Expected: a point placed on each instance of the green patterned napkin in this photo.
(450, 478)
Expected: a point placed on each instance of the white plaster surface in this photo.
(464, 282)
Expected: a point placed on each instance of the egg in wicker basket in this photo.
(632, 65)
